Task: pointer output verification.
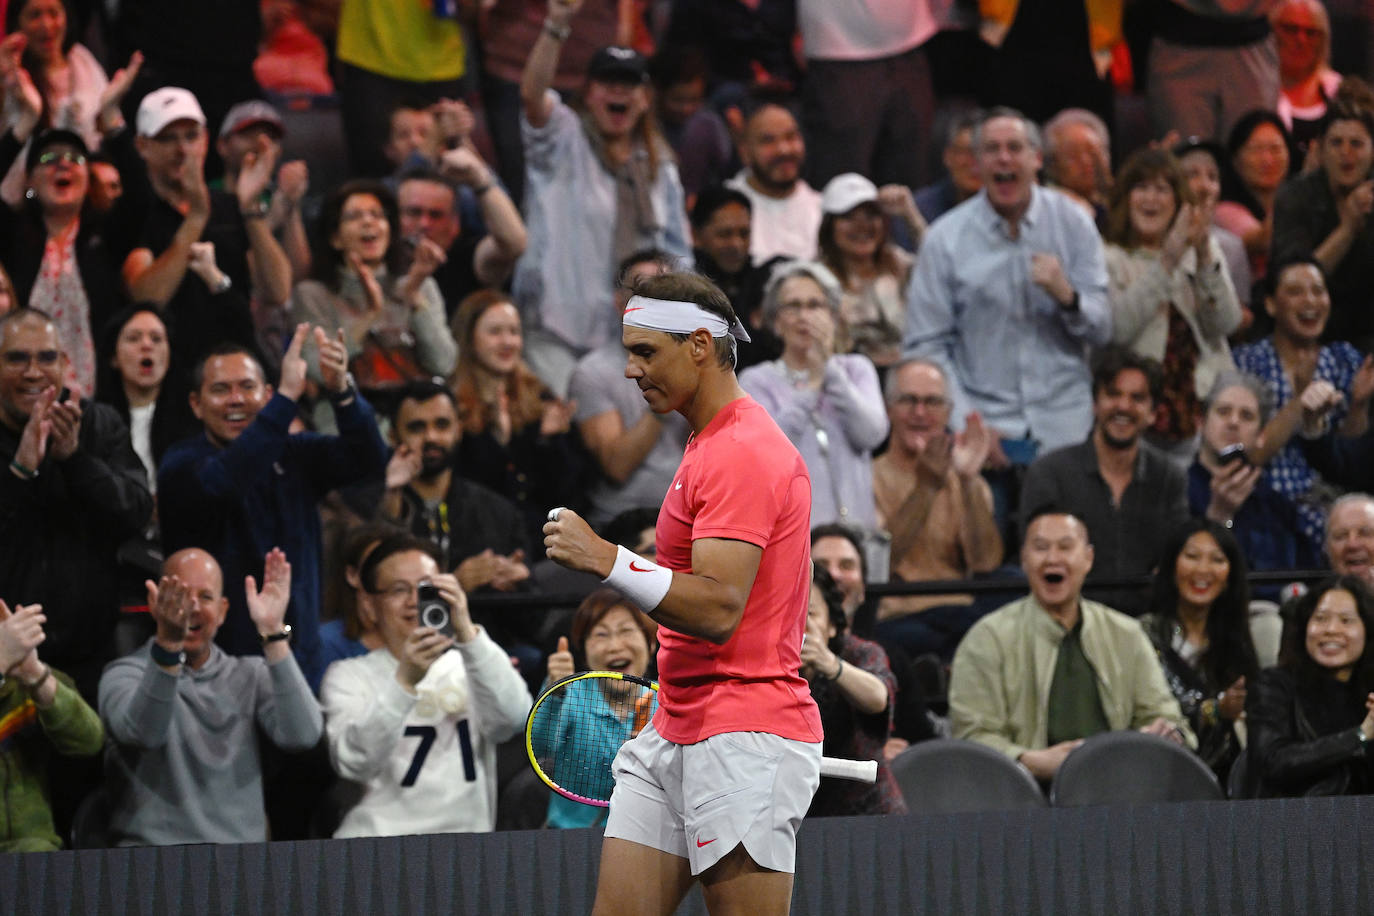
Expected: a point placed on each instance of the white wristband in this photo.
(642, 581)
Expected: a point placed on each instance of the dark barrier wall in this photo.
(1293, 856)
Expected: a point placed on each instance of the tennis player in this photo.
(716, 786)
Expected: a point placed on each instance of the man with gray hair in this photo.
(938, 509)
(1078, 158)
(1350, 536)
(1227, 482)
(1009, 291)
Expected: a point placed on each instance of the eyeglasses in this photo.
(52, 157)
(797, 305)
(397, 592)
(929, 402)
(22, 359)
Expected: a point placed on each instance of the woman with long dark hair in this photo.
(391, 312)
(1199, 624)
(1311, 717)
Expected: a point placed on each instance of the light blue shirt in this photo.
(565, 281)
(1010, 351)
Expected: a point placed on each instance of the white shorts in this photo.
(699, 801)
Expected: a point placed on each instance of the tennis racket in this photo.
(579, 723)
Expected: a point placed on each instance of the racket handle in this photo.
(857, 770)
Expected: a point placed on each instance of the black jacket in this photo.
(1304, 738)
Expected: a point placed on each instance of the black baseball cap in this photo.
(52, 137)
(618, 65)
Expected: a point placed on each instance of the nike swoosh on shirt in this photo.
(679, 486)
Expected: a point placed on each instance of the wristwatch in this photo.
(350, 391)
(166, 658)
(284, 634)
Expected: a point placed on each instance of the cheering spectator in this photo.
(828, 403)
(1320, 386)
(1199, 625)
(40, 713)
(1170, 296)
(1312, 715)
(1302, 35)
(246, 483)
(74, 491)
(938, 509)
(873, 272)
(1201, 161)
(786, 210)
(1325, 213)
(70, 81)
(391, 316)
(1127, 493)
(1036, 677)
(1009, 288)
(517, 435)
(600, 188)
(609, 632)
(184, 716)
(459, 704)
(852, 684)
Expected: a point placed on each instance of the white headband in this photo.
(673, 317)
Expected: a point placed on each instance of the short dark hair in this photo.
(24, 313)
(389, 546)
(689, 286)
(1340, 110)
(841, 530)
(674, 65)
(1052, 508)
(425, 173)
(711, 199)
(419, 391)
(1114, 359)
(1298, 259)
(223, 349)
(624, 529)
(642, 256)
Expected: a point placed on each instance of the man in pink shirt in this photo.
(717, 785)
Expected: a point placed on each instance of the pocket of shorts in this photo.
(748, 768)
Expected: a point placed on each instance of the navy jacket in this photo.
(262, 491)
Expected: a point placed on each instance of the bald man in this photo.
(183, 716)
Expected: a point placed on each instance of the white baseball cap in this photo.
(845, 192)
(163, 106)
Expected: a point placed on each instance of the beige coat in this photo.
(999, 686)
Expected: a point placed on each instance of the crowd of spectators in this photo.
(1077, 302)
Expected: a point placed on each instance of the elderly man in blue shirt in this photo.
(1009, 293)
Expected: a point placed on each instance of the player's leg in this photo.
(739, 885)
(637, 879)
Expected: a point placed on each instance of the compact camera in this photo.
(433, 609)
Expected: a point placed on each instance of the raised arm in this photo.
(505, 241)
(543, 61)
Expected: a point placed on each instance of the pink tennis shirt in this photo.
(740, 479)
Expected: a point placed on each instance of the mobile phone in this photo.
(1231, 453)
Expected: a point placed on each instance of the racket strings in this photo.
(577, 728)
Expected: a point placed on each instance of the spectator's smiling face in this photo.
(1056, 558)
(1007, 162)
(1201, 571)
(1350, 538)
(60, 178)
(861, 232)
(412, 131)
(1335, 633)
(44, 25)
(205, 583)
(1233, 418)
(1346, 154)
(616, 643)
(30, 362)
(231, 394)
(616, 106)
(496, 339)
(1080, 160)
(919, 407)
(395, 601)
(1300, 304)
(773, 149)
(1262, 160)
(1123, 408)
(1151, 206)
(363, 230)
(1203, 175)
(141, 352)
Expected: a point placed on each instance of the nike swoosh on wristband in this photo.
(639, 569)
(637, 308)
(706, 843)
